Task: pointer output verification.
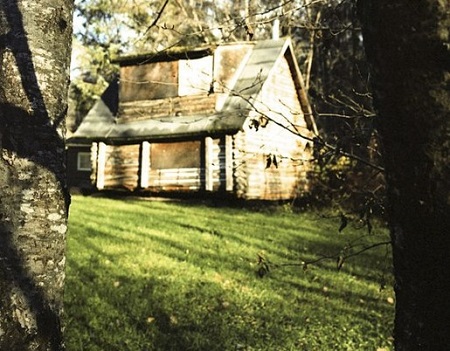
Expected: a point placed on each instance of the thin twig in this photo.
(155, 21)
(316, 139)
(339, 255)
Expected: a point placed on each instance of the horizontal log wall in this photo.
(182, 105)
(218, 164)
(240, 171)
(175, 179)
(121, 166)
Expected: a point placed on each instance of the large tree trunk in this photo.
(35, 39)
(408, 46)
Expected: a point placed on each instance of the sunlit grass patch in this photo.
(153, 275)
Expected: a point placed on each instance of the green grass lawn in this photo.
(154, 275)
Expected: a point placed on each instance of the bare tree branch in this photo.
(155, 21)
(340, 257)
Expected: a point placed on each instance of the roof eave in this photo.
(300, 87)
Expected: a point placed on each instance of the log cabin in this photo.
(231, 119)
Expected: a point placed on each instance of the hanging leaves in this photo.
(271, 160)
(268, 161)
(274, 161)
(254, 123)
(344, 222)
(369, 225)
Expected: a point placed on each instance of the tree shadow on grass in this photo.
(120, 312)
(212, 302)
(156, 315)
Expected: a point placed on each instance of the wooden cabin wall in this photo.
(121, 168)
(159, 89)
(185, 105)
(186, 165)
(259, 178)
(218, 164)
(275, 162)
(176, 166)
(94, 164)
(240, 170)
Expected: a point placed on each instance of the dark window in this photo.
(84, 161)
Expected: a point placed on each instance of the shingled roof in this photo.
(101, 123)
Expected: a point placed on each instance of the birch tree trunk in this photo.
(35, 43)
(408, 46)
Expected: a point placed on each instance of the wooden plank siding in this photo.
(148, 81)
(121, 167)
(187, 105)
(255, 180)
(219, 166)
(240, 171)
(175, 179)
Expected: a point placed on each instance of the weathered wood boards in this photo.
(231, 119)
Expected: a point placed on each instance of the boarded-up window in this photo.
(149, 81)
(195, 76)
(186, 154)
